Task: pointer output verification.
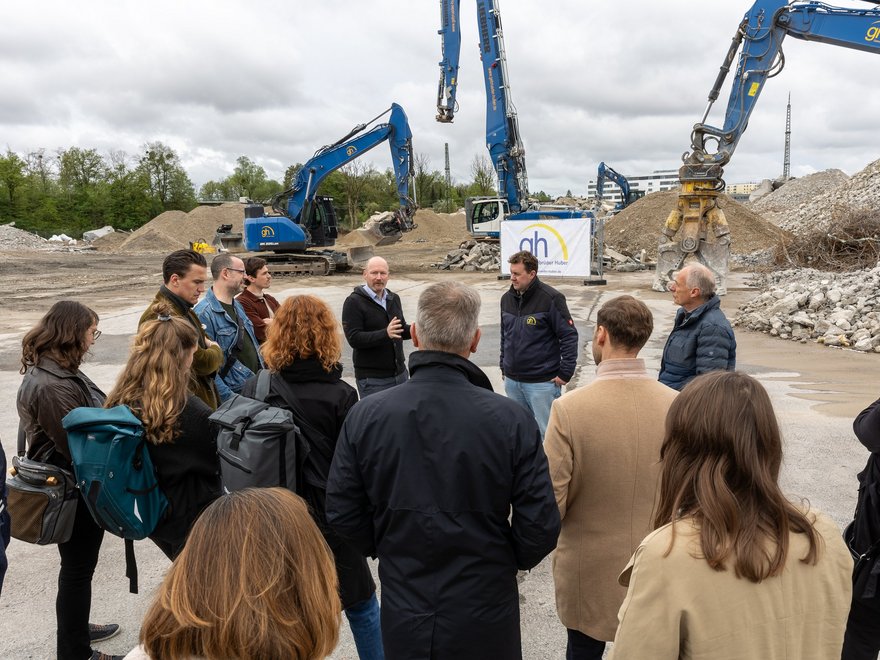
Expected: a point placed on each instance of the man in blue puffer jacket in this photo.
(701, 339)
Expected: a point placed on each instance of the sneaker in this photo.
(97, 655)
(98, 633)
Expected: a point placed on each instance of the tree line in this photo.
(74, 190)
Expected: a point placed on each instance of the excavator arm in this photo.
(697, 228)
(355, 144)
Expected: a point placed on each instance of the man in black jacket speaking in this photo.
(372, 319)
(447, 483)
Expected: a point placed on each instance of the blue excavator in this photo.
(697, 229)
(627, 193)
(506, 151)
(301, 222)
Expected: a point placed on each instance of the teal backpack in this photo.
(115, 474)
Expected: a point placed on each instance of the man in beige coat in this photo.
(603, 445)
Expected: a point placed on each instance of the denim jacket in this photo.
(220, 327)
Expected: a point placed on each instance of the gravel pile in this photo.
(834, 309)
(780, 203)
(17, 239)
(174, 230)
(858, 193)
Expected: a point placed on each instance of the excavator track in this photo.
(300, 264)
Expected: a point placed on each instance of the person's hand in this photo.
(267, 321)
(395, 328)
(559, 382)
(210, 342)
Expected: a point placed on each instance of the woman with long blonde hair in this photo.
(733, 568)
(255, 580)
(302, 351)
(181, 442)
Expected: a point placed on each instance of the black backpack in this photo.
(862, 535)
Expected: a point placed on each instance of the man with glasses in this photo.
(225, 320)
(184, 273)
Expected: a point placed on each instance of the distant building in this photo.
(657, 181)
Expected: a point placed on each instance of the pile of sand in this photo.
(795, 192)
(638, 226)
(434, 227)
(173, 230)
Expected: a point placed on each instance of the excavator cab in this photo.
(484, 216)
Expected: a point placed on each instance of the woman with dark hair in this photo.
(181, 442)
(302, 351)
(733, 569)
(255, 581)
(53, 385)
(259, 306)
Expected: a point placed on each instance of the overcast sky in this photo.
(619, 81)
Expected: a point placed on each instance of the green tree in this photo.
(82, 176)
(12, 178)
(168, 183)
(355, 181)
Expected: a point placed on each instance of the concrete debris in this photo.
(13, 239)
(818, 201)
(624, 263)
(472, 256)
(834, 309)
(97, 233)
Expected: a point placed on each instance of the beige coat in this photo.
(603, 445)
(677, 607)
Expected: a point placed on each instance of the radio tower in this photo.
(448, 177)
(786, 165)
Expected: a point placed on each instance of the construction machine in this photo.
(302, 222)
(627, 194)
(697, 229)
(506, 151)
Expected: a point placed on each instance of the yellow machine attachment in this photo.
(202, 247)
(687, 237)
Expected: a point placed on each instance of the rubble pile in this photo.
(861, 192)
(472, 256)
(173, 230)
(834, 309)
(13, 239)
(778, 204)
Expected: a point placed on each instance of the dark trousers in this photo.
(862, 638)
(79, 556)
(583, 647)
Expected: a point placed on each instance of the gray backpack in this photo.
(257, 443)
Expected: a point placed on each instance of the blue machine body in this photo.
(307, 220)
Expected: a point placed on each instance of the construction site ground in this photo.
(816, 391)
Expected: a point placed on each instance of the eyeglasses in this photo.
(237, 270)
(96, 334)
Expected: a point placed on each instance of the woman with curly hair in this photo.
(255, 580)
(53, 385)
(302, 351)
(181, 442)
(733, 569)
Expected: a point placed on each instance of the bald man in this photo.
(701, 339)
(372, 319)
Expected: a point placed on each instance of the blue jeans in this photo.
(536, 397)
(368, 386)
(363, 619)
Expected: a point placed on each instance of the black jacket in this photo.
(538, 337)
(448, 484)
(364, 322)
(325, 400)
(188, 472)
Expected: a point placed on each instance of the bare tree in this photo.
(484, 176)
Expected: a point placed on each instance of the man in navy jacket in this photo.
(702, 339)
(539, 342)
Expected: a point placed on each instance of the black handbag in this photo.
(862, 535)
(42, 499)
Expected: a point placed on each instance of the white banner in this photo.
(561, 246)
